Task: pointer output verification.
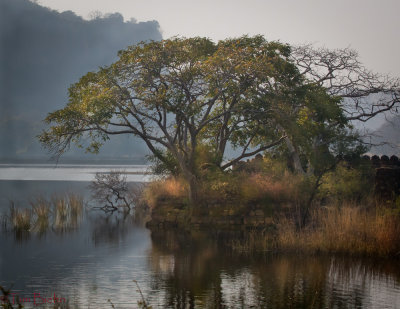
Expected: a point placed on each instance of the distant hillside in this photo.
(389, 133)
(42, 52)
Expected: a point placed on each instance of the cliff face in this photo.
(42, 52)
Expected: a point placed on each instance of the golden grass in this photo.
(21, 219)
(75, 202)
(257, 186)
(343, 226)
(169, 188)
(41, 208)
(233, 193)
(61, 211)
(349, 229)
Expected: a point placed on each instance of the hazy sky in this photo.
(369, 26)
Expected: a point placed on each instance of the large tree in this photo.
(187, 96)
(177, 95)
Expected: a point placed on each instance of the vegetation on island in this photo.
(202, 108)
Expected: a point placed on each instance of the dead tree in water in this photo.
(113, 189)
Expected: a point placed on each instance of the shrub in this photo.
(164, 189)
(348, 183)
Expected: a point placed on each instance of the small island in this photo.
(187, 154)
(247, 134)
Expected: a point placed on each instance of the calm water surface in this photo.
(98, 256)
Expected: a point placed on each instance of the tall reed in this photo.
(348, 229)
(21, 219)
(60, 212)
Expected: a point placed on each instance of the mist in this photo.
(42, 52)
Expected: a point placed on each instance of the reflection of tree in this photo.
(290, 282)
(187, 268)
(110, 228)
(193, 272)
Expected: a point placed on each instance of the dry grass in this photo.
(75, 202)
(265, 183)
(349, 229)
(258, 186)
(355, 230)
(61, 211)
(41, 208)
(42, 211)
(170, 188)
(21, 219)
(343, 226)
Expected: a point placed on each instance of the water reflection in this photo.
(195, 273)
(90, 256)
(110, 227)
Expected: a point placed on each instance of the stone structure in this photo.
(387, 173)
(387, 176)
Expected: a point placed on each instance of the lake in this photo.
(97, 256)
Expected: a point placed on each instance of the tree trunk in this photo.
(193, 190)
(191, 179)
(192, 183)
(294, 156)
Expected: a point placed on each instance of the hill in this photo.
(42, 52)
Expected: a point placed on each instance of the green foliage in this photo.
(175, 94)
(189, 98)
(166, 166)
(319, 130)
(348, 183)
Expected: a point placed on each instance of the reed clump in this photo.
(75, 202)
(346, 229)
(41, 209)
(21, 219)
(59, 212)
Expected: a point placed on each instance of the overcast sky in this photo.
(369, 26)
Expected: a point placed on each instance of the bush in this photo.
(164, 189)
(347, 183)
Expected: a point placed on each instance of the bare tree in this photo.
(112, 189)
(364, 93)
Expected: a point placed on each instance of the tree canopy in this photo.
(188, 99)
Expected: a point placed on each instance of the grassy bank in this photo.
(345, 229)
(283, 211)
